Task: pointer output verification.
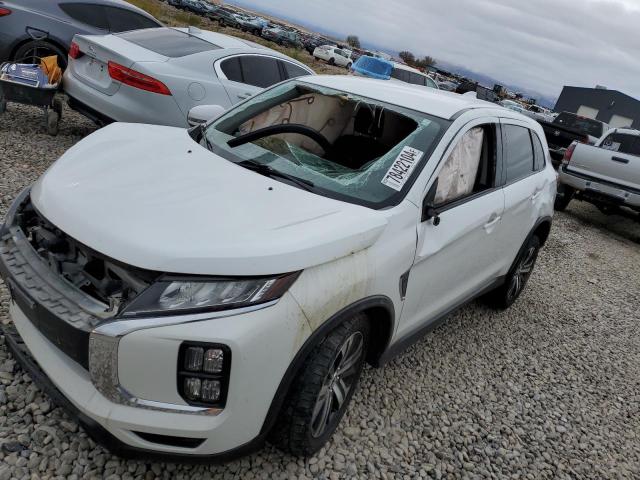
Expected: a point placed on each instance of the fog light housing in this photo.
(203, 373)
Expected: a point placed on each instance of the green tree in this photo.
(353, 41)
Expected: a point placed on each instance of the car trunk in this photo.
(96, 51)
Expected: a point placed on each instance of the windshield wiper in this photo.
(268, 171)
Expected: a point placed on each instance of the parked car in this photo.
(540, 113)
(333, 56)
(157, 75)
(36, 28)
(606, 174)
(282, 37)
(226, 17)
(193, 292)
(312, 42)
(569, 127)
(407, 74)
(252, 24)
(195, 6)
(448, 86)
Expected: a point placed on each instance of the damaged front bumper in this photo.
(118, 377)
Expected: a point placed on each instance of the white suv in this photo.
(195, 292)
(333, 55)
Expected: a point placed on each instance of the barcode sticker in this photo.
(401, 168)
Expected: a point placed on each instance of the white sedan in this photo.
(333, 56)
(157, 75)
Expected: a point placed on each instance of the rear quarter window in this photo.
(123, 20)
(293, 71)
(260, 71)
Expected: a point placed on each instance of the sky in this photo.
(538, 45)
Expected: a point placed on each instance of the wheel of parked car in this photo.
(563, 198)
(221, 23)
(505, 295)
(322, 389)
(41, 48)
(57, 107)
(332, 61)
(348, 66)
(3, 104)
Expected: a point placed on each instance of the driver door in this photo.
(457, 253)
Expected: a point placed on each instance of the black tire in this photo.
(312, 410)
(41, 48)
(505, 295)
(332, 61)
(221, 23)
(52, 122)
(348, 65)
(563, 198)
(3, 104)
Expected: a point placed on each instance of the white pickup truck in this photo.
(606, 174)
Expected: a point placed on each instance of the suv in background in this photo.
(235, 286)
(333, 56)
(311, 42)
(252, 24)
(41, 28)
(282, 37)
(407, 74)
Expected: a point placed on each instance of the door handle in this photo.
(243, 96)
(620, 160)
(493, 219)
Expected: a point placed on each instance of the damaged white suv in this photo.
(195, 292)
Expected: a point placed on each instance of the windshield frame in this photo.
(392, 200)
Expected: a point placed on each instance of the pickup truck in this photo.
(567, 128)
(606, 174)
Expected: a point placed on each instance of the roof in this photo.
(428, 100)
(601, 91)
(221, 40)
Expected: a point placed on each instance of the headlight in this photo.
(195, 295)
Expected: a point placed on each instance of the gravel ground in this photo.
(548, 389)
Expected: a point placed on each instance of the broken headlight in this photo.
(195, 295)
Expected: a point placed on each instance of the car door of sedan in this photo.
(457, 254)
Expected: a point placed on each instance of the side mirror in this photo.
(429, 210)
(203, 113)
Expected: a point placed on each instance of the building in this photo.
(609, 106)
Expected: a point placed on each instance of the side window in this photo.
(293, 71)
(92, 15)
(260, 71)
(622, 143)
(431, 83)
(518, 152)
(231, 69)
(539, 159)
(121, 20)
(470, 168)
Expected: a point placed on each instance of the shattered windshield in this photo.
(339, 144)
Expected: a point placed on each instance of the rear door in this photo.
(617, 160)
(524, 184)
(244, 75)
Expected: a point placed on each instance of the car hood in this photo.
(151, 197)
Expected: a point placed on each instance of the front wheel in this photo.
(320, 393)
(505, 295)
(348, 66)
(332, 61)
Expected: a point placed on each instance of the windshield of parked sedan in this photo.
(351, 148)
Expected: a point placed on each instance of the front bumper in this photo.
(592, 188)
(154, 418)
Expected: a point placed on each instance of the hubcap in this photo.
(338, 383)
(522, 272)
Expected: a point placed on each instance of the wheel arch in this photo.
(380, 312)
(542, 229)
(53, 41)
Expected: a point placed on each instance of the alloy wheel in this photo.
(522, 272)
(338, 383)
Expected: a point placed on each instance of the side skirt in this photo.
(400, 345)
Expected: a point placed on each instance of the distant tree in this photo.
(425, 62)
(353, 41)
(408, 57)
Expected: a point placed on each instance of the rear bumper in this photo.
(599, 190)
(128, 104)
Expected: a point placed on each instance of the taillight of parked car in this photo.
(74, 51)
(136, 79)
(4, 12)
(568, 154)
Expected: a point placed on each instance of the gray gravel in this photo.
(549, 389)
